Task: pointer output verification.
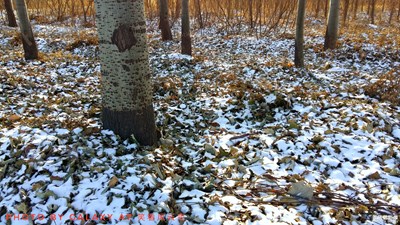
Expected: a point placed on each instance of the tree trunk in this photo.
(28, 41)
(318, 8)
(166, 34)
(177, 9)
(186, 42)
(355, 9)
(299, 42)
(373, 11)
(251, 17)
(199, 14)
(12, 22)
(326, 8)
(345, 11)
(332, 29)
(127, 107)
(392, 9)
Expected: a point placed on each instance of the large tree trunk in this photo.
(12, 22)
(332, 29)
(28, 41)
(299, 42)
(126, 79)
(186, 43)
(166, 34)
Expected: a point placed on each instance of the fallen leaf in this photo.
(374, 176)
(14, 118)
(113, 182)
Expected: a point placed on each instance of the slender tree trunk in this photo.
(28, 40)
(332, 29)
(12, 22)
(392, 9)
(251, 17)
(318, 8)
(345, 11)
(166, 34)
(372, 15)
(398, 11)
(326, 8)
(177, 9)
(199, 14)
(355, 9)
(126, 79)
(299, 42)
(186, 42)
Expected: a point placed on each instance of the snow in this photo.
(225, 96)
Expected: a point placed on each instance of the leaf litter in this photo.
(247, 138)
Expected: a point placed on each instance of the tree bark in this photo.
(372, 15)
(12, 22)
(166, 34)
(127, 107)
(345, 11)
(332, 29)
(199, 14)
(355, 10)
(250, 3)
(186, 42)
(299, 42)
(317, 9)
(28, 40)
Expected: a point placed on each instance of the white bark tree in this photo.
(126, 79)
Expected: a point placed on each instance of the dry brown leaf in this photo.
(14, 118)
(113, 182)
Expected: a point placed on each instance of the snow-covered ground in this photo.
(247, 138)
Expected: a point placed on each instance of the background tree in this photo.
(28, 40)
(12, 22)
(166, 34)
(299, 42)
(186, 42)
(126, 80)
(372, 11)
(345, 11)
(332, 28)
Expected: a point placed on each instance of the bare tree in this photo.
(299, 42)
(126, 80)
(12, 22)
(166, 34)
(345, 11)
(186, 43)
(199, 14)
(372, 11)
(332, 28)
(28, 40)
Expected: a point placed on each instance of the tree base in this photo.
(140, 123)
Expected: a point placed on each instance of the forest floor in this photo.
(247, 138)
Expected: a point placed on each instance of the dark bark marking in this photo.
(126, 68)
(123, 38)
